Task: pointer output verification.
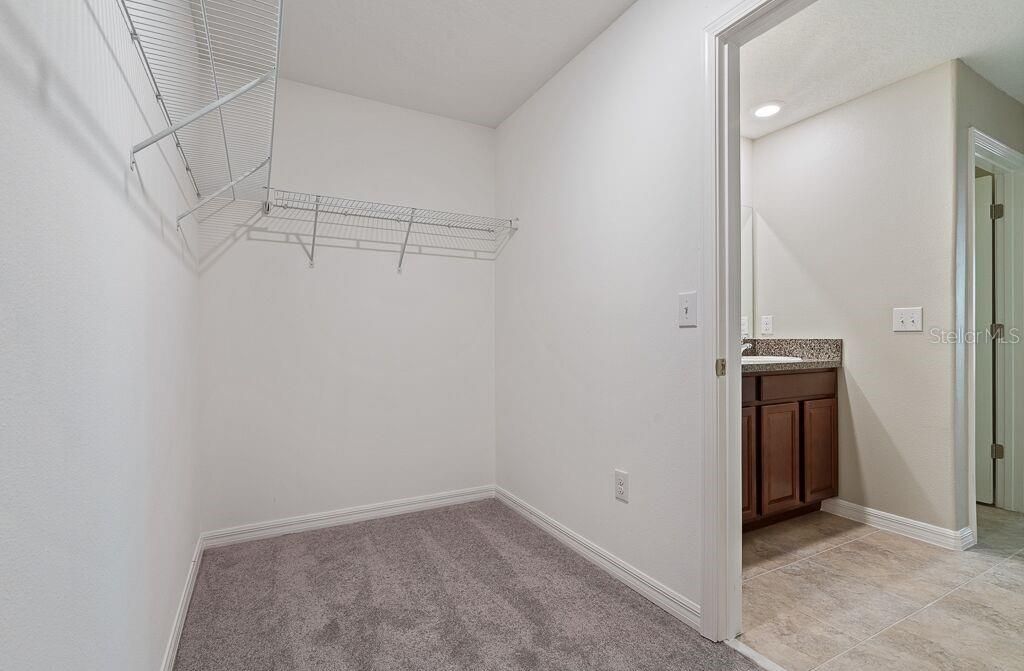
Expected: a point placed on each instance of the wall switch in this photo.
(745, 326)
(907, 319)
(622, 486)
(767, 325)
(689, 309)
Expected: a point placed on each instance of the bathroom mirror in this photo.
(747, 271)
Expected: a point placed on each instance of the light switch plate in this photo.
(745, 327)
(907, 319)
(689, 309)
(767, 325)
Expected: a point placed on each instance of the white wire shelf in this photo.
(315, 220)
(213, 68)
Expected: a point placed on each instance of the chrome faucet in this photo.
(745, 347)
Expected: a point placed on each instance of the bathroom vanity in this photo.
(790, 437)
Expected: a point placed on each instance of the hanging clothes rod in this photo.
(213, 67)
(361, 224)
(202, 112)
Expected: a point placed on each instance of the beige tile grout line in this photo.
(811, 556)
(800, 559)
(922, 608)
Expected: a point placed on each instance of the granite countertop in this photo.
(806, 364)
(816, 353)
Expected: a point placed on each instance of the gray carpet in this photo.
(474, 586)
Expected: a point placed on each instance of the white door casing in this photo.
(984, 362)
(985, 151)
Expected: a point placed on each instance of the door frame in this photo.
(988, 152)
(721, 593)
(721, 583)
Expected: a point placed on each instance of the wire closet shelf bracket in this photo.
(317, 220)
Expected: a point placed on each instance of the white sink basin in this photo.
(771, 359)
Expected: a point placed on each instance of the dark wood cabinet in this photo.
(776, 388)
(780, 457)
(790, 443)
(821, 449)
(750, 502)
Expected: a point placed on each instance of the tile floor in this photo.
(822, 592)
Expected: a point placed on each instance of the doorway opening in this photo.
(905, 509)
(992, 341)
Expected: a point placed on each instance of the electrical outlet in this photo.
(907, 319)
(767, 325)
(622, 486)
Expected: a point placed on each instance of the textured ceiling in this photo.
(838, 50)
(474, 60)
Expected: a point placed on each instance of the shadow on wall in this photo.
(222, 228)
(55, 100)
(853, 476)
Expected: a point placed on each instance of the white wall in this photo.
(98, 514)
(856, 212)
(350, 384)
(983, 106)
(604, 165)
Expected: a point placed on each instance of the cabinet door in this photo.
(780, 457)
(821, 450)
(749, 446)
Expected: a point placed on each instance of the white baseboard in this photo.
(179, 617)
(950, 539)
(291, 525)
(674, 603)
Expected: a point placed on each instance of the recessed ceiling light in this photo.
(768, 109)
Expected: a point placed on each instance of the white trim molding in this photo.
(372, 511)
(721, 559)
(171, 652)
(949, 539)
(672, 602)
(1001, 159)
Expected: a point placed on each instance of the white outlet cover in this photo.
(689, 309)
(907, 320)
(621, 486)
(767, 325)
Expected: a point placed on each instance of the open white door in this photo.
(984, 362)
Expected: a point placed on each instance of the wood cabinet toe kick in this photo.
(790, 444)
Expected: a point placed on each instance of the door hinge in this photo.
(720, 367)
(997, 331)
(997, 211)
(998, 451)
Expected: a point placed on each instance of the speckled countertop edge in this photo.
(816, 353)
(790, 365)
